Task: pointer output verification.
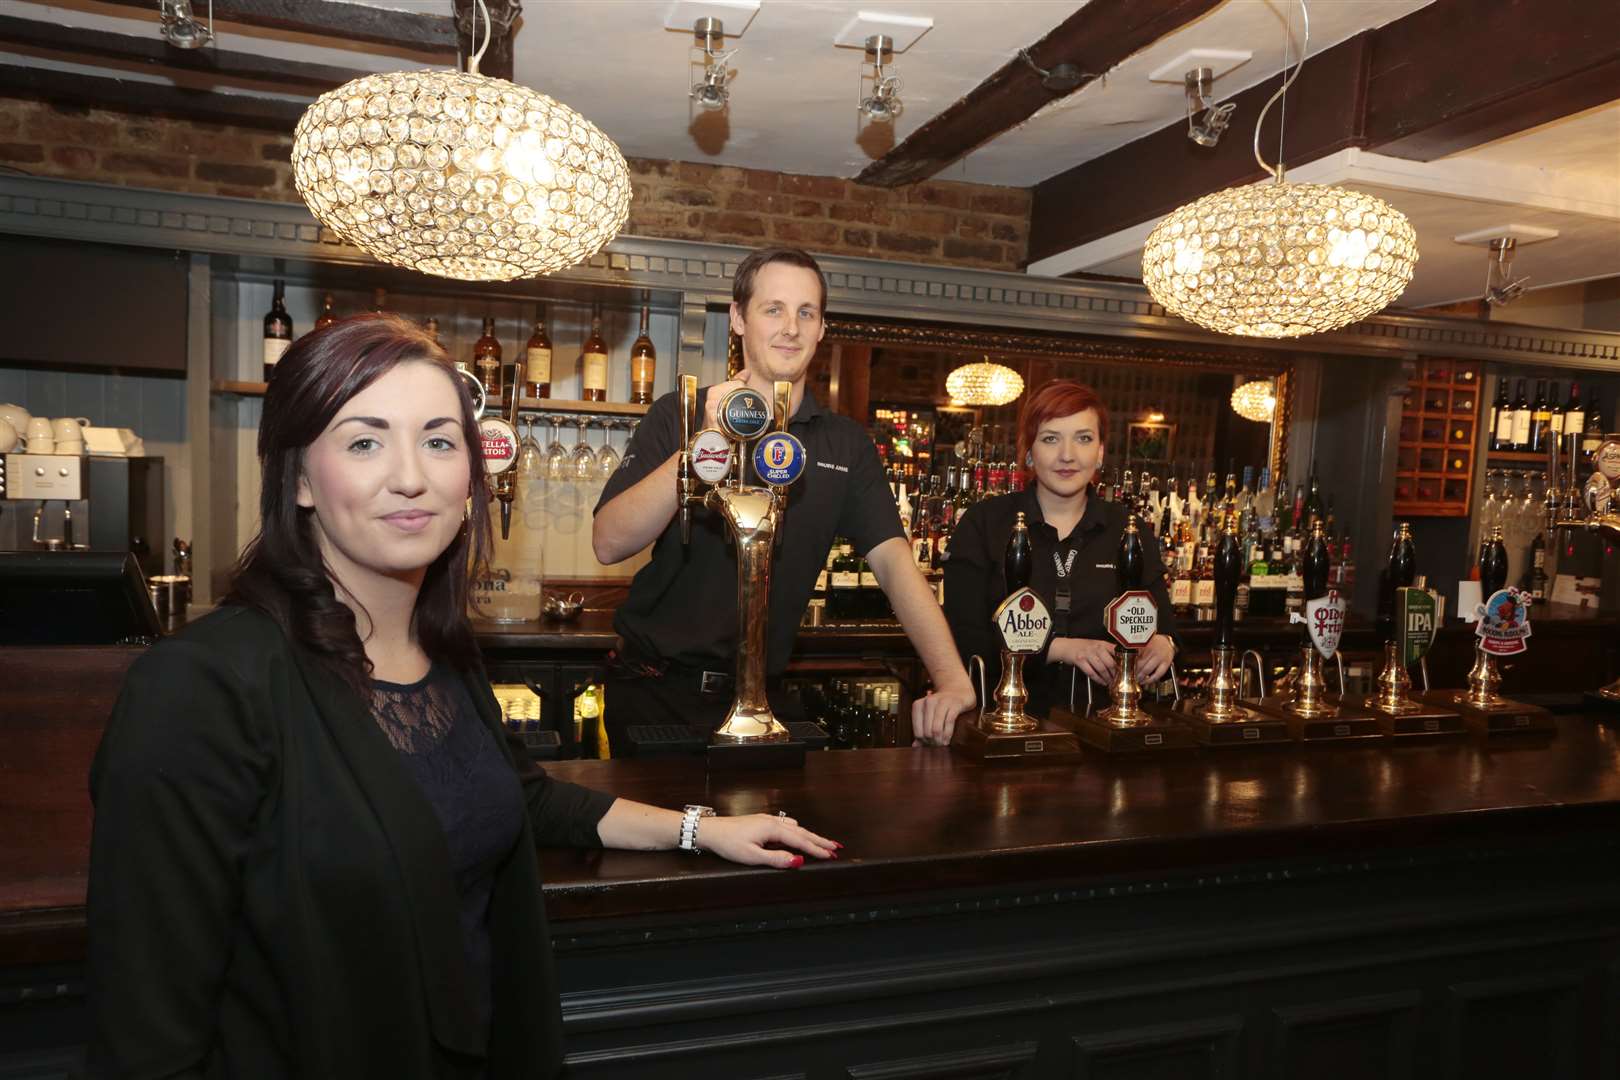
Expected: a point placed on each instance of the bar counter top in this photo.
(928, 819)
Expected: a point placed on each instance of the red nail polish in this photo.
(796, 862)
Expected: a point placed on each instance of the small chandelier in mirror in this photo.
(1255, 400)
(984, 384)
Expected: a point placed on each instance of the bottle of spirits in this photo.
(1574, 416)
(487, 358)
(1501, 419)
(278, 330)
(1540, 418)
(327, 316)
(593, 362)
(643, 361)
(1521, 420)
(537, 362)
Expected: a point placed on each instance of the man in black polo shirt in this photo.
(679, 624)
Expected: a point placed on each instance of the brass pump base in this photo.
(1397, 712)
(1487, 713)
(1315, 716)
(1218, 718)
(1152, 733)
(1044, 742)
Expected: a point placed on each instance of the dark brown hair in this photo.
(1052, 399)
(742, 285)
(281, 571)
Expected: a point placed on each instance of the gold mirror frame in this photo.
(842, 330)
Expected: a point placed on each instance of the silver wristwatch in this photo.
(689, 827)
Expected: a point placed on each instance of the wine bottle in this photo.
(1592, 434)
(1019, 559)
(327, 316)
(1501, 419)
(593, 362)
(1556, 407)
(487, 358)
(1574, 413)
(278, 330)
(537, 362)
(1540, 418)
(643, 362)
(1521, 420)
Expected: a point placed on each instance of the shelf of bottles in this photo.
(1435, 460)
(1522, 428)
(856, 713)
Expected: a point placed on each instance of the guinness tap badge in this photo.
(744, 414)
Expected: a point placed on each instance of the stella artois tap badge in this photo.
(1324, 621)
(500, 444)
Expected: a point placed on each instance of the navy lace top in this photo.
(472, 788)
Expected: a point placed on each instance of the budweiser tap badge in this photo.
(500, 444)
(710, 454)
(1132, 618)
(1324, 621)
(1504, 622)
(1023, 622)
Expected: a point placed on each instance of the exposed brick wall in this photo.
(932, 222)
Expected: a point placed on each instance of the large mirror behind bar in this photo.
(1171, 409)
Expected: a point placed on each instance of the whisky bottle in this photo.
(278, 330)
(487, 358)
(537, 362)
(593, 363)
(327, 316)
(643, 362)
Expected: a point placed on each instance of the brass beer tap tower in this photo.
(1131, 619)
(1594, 505)
(1003, 731)
(1217, 717)
(1406, 622)
(712, 473)
(1312, 712)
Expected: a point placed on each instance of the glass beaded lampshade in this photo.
(1255, 400)
(984, 383)
(1278, 259)
(459, 175)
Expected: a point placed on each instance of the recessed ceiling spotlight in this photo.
(710, 90)
(180, 27)
(883, 104)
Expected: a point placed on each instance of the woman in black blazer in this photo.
(314, 853)
(1062, 427)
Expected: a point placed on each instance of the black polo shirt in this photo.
(976, 582)
(683, 604)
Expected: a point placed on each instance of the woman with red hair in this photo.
(1062, 428)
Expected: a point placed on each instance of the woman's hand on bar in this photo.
(743, 839)
(1094, 658)
(1154, 659)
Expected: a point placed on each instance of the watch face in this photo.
(744, 413)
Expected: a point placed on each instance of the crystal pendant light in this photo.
(984, 383)
(1278, 259)
(460, 175)
(1255, 400)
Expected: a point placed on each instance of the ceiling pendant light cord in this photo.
(1282, 91)
(472, 61)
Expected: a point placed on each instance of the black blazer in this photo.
(976, 584)
(271, 895)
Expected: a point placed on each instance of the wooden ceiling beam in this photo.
(1094, 39)
(71, 88)
(1452, 75)
(341, 22)
(156, 53)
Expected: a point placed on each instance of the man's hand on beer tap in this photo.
(711, 401)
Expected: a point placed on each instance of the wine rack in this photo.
(1438, 439)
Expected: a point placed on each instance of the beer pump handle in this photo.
(1228, 569)
(1316, 564)
(685, 482)
(1128, 564)
(782, 393)
(1492, 564)
(506, 482)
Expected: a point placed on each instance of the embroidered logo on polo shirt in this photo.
(830, 465)
(1105, 566)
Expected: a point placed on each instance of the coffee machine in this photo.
(67, 502)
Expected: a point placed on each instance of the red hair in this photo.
(1053, 399)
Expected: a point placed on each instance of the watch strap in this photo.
(689, 827)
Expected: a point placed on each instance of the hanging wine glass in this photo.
(531, 459)
(556, 454)
(584, 456)
(607, 459)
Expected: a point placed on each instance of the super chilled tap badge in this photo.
(1023, 622)
(779, 458)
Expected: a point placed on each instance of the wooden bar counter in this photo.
(1444, 908)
